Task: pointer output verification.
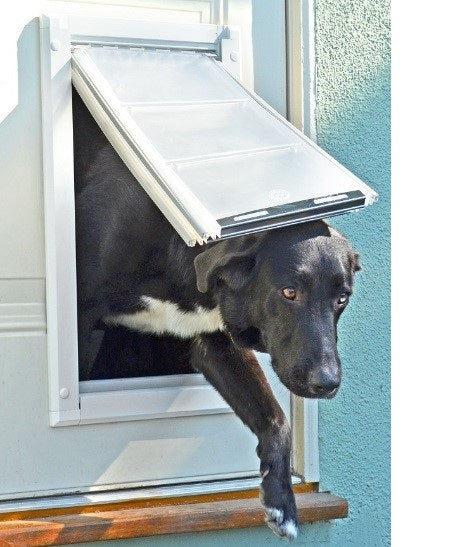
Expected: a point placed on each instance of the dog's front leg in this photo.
(238, 377)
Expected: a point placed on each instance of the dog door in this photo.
(216, 159)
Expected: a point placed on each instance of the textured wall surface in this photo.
(353, 124)
(353, 119)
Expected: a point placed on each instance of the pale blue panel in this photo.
(269, 52)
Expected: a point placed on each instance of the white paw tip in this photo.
(274, 519)
(289, 529)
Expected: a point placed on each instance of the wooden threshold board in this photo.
(152, 517)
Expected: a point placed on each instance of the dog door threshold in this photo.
(221, 511)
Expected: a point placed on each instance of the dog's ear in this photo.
(355, 262)
(229, 262)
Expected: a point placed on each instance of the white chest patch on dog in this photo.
(164, 317)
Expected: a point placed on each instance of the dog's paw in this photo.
(284, 528)
(276, 491)
(280, 508)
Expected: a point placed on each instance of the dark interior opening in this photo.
(124, 353)
(116, 351)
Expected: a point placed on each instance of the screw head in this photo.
(234, 56)
(55, 45)
(64, 393)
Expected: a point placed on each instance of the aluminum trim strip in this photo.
(132, 494)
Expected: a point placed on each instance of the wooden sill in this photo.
(156, 516)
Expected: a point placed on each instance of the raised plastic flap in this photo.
(214, 157)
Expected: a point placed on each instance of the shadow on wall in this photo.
(269, 54)
(27, 91)
(20, 166)
(310, 535)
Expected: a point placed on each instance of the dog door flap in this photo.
(216, 159)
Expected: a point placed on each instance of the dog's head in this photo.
(282, 292)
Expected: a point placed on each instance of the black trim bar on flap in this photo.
(290, 213)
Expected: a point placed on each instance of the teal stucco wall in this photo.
(353, 119)
(353, 124)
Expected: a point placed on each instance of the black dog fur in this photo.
(281, 292)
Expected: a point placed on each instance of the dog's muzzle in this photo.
(320, 383)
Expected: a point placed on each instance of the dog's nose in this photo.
(324, 383)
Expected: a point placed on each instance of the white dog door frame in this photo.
(70, 402)
(73, 402)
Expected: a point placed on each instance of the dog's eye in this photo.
(343, 298)
(289, 293)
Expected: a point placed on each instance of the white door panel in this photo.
(39, 459)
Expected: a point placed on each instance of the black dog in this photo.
(280, 292)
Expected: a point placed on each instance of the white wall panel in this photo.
(37, 458)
